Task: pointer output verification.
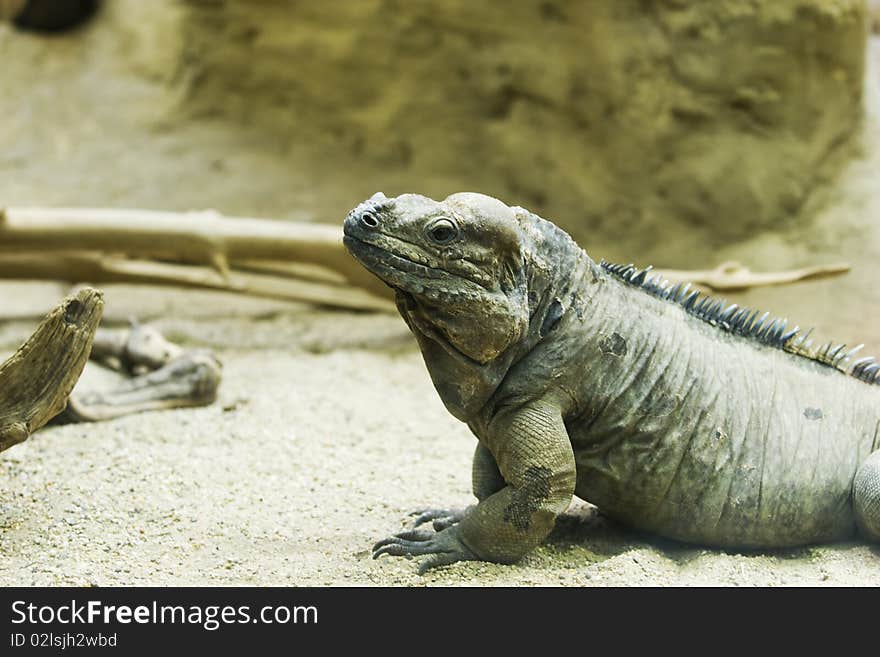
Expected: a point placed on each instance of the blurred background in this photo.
(678, 133)
(672, 132)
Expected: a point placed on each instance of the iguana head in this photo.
(456, 264)
(459, 267)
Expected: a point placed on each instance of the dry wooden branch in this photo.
(99, 268)
(36, 380)
(297, 261)
(731, 276)
(204, 238)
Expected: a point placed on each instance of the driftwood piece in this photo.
(164, 376)
(135, 349)
(189, 380)
(36, 380)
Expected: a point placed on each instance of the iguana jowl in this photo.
(674, 414)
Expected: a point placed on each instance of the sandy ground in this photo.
(327, 431)
(326, 434)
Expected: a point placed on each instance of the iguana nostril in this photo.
(369, 220)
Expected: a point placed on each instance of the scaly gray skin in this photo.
(577, 382)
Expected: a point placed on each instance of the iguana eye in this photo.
(442, 231)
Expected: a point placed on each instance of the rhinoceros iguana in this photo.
(675, 414)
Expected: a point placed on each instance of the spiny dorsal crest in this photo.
(751, 324)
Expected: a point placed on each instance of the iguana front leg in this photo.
(534, 457)
(486, 480)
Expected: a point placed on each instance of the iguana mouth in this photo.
(400, 272)
(378, 260)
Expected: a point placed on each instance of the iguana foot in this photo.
(444, 547)
(866, 496)
(440, 518)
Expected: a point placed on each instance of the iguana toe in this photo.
(444, 547)
(441, 518)
(398, 545)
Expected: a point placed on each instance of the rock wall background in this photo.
(652, 129)
(684, 121)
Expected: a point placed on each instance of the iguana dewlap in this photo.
(674, 414)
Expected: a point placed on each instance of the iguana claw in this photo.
(442, 518)
(444, 547)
